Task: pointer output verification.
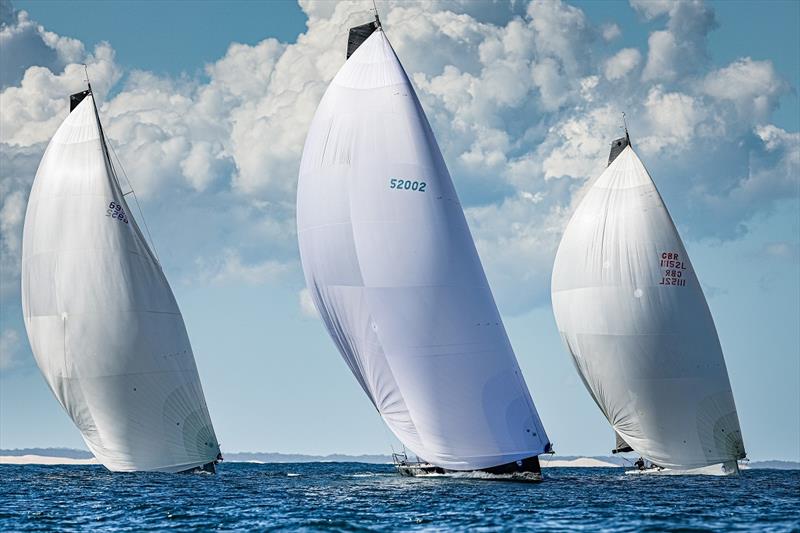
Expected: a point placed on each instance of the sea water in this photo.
(362, 497)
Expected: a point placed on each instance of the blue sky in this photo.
(523, 101)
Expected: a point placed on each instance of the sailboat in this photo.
(103, 324)
(393, 271)
(633, 316)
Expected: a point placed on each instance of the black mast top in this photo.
(618, 145)
(77, 98)
(359, 34)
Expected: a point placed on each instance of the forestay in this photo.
(103, 324)
(393, 271)
(634, 318)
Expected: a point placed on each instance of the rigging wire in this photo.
(136, 198)
(390, 437)
(107, 142)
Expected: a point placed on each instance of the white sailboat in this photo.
(635, 321)
(102, 321)
(394, 273)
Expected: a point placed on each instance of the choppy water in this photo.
(360, 497)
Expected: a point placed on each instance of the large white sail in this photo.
(392, 269)
(103, 324)
(633, 316)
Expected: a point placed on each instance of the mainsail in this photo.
(102, 321)
(394, 273)
(633, 316)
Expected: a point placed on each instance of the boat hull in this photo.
(730, 468)
(209, 468)
(527, 471)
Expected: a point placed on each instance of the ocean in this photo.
(369, 497)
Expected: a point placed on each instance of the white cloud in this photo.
(517, 240)
(552, 83)
(673, 119)
(9, 349)
(25, 43)
(32, 110)
(611, 32)
(203, 164)
(681, 48)
(651, 9)
(622, 63)
(563, 32)
(663, 56)
(752, 86)
(518, 95)
(578, 150)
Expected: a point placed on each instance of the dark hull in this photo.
(211, 468)
(526, 470)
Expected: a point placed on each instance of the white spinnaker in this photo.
(396, 278)
(634, 318)
(102, 321)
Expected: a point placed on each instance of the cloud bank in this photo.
(524, 100)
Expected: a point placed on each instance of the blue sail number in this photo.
(407, 185)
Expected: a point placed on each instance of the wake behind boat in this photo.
(103, 324)
(394, 274)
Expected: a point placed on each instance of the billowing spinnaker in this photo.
(103, 324)
(394, 273)
(634, 318)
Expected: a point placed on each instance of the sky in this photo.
(208, 103)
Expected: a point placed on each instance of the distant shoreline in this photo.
(70, 456)
(31, 459)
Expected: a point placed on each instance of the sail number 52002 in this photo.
(407, 185)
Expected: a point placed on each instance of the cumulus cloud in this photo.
(753, 87)
(524, 99)
(622, 63)
(681, 48)
(673, 118)
(610, 32)
(25, 43)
